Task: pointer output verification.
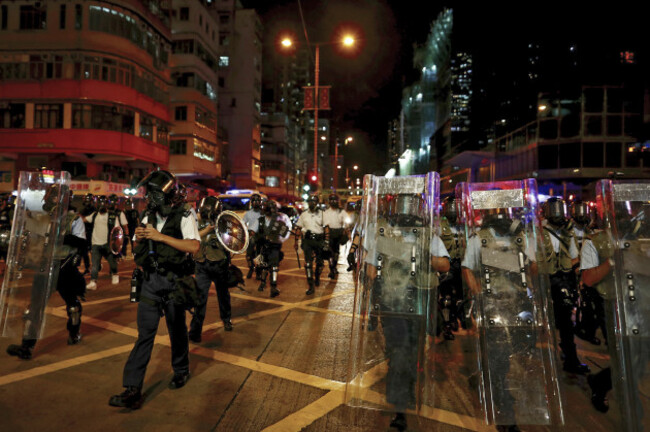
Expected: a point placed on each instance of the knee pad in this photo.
(308, 270)
(74, 313)
(274, 275)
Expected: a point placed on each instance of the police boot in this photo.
(310, 280)
(319, 270)
(250, 272)
(398, 422)
(130, 398)
(571, 362)
(24, 350)
(274, 282)
(332, 273)
(598, 396)
(74, 324)
(263, 280)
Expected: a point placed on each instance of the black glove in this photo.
(352, 262)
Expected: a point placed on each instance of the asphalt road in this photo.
(283, 368)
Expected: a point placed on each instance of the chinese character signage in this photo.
(323, 98)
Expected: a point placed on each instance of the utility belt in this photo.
(311, 236)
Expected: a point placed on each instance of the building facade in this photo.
(240, 89)
(195, 149)
(84, 87)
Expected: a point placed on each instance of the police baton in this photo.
(298, 257)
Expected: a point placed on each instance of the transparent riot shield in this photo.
(518, 376)
(32, 264)
(231, 232)
(625, 210)
(395, 294)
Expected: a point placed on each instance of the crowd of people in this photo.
(480, 263)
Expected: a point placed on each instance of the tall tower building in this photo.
(195, 150)
(240, 89)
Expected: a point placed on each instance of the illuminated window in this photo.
(224, 61)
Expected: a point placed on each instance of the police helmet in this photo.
(112, 201)
(270, 207)
(333, 199)
(209, 207)
(161, 187)
(449, 209)
(555, 211)
(256, 200)
(89, 199)
(581, 212)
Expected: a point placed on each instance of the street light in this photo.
(347, 41)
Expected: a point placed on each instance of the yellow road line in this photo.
(53, 367)
(309, 414)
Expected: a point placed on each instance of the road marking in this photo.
(302, 418)
(54, 367)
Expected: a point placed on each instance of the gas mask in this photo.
(450, 211)
(101, 204)
(157, 202)
(334, 202)
(555, 212)
(256, 201)
(312, 202)
(270, 208)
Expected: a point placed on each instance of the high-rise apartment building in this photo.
(195, 150)
(84, 88)
(240, 88)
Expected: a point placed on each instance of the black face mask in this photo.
(557, 221)
(256, 204)
(334, 204)
(312, 205)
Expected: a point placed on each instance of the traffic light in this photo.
(312, 179)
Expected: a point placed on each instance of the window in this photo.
(181, 113)
(185, 46)
(12, 115)
(177, 147)
(224, 61)
(224, 19)
(146, 127)
(547, 156)
(62, 17)
(570, 126)
(78, 16)
(105, 117)
(200, 19)
(548, 129)
(48, 116)
(613, 152)
(222, 82)
(224, 40)
(33, 18)
(569, 155)
(4, 12)
(593, 154)
(614, 125)
(184, 14)
(594, 125)
(233, 102)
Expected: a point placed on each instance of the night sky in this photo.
(367, 89)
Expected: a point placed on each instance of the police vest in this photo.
(605, 250)
(210, 248)
(554, 262)
(169, 259)
(454, 242)
(403, 268)
(505, 301)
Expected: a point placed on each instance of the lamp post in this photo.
(347, 41)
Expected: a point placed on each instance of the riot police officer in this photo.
(614, 260)
(88, 207)
(132, 219)
(314, 241)
(251, 219)
(70, 283)
(451, 299)
(503, 293)
(402, 254)
(274, 228)
(561, 263)
(212, 262)
(168, 288)
(334, 218)
(590, 314)
(6, 217)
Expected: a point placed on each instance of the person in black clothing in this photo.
(274, 229)
(133, 220)
(88, 207)
(163, 249)
(212, 263)
(69, 282)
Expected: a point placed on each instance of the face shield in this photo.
(161, 188)
(555, 212)
(450, 211)
(312, 202)
(581, 213)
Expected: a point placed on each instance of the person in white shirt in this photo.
(334, 218)
(315, 241)
(252, 219)
(163, 250)
(102, 222)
